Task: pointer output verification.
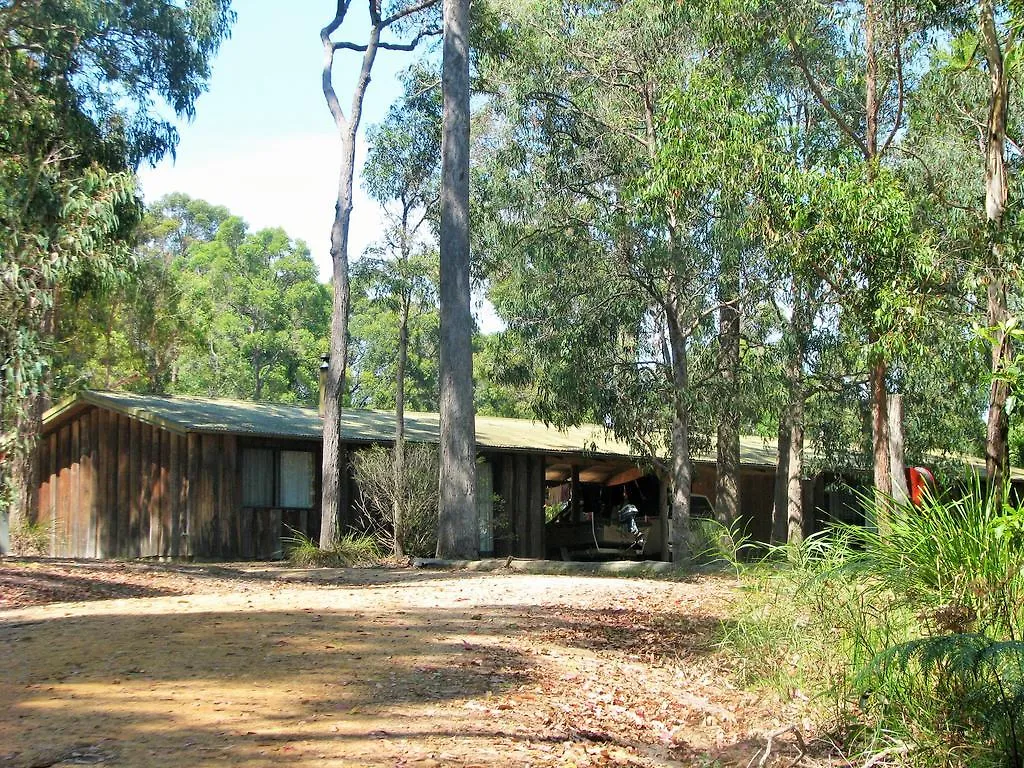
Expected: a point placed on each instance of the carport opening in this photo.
(588, 517)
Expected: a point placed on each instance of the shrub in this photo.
(911, 641)
(351, 550)
(374, 470)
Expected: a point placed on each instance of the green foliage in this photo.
(351, 551)
(258, 314)
(86, 88)
(713, 543)
(210, 309)
(374, 472)
(909, 642)
(403, 161)
(378, 286)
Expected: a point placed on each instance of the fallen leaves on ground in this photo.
(216, 664)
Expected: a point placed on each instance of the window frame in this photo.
(277, 448)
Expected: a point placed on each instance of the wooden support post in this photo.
(575, 499)
(536, 507)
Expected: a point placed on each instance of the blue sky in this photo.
(263, 143)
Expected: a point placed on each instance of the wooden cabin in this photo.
(127, 476)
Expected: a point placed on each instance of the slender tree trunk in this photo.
(458, 531)
(882, 469)
(897, 457)
(682, 469)
(780, 509)
(400, 484)
(727, 486)
(795, 473)
(880, 443)
(335, 457)
(870, 82)
(334, 485)
(997, 450)
(801, 323)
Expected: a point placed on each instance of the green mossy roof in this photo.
(183, 414)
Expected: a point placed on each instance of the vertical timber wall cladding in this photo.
(113, 486)
(212, 497)
(519, 480)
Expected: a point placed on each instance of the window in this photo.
(295, 473)
(277, 478)
(257, 477)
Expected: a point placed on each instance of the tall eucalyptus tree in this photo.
(458, 533)
(402, 172)
(616, 147)
(411, 21)
(80, 83)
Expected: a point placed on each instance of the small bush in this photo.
(374, 470)
(351, 550)
(712, 542)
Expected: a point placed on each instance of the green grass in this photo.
(350, 551)
(909, 641)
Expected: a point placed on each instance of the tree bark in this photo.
(795, 472)
(727, 486)
(458, 531)
(334, 456)
(997, 450)
(880, 444)
(897, 452)
(400, 484)
(801, 324)
(334, 490)
(682, 469)
(780, 509)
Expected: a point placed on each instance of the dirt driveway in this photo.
(184, 666)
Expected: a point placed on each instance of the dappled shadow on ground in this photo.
(650, 636)
(255, 683)
(512, 671)
(27, 586)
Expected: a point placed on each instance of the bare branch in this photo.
(326, 77)
(387, 46)
(815, 87)
(408, 11)
(899, 101)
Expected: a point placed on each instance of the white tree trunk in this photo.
(997, 451)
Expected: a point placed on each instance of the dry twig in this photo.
(771, 739)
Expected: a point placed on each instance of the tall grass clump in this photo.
(905, 641)
(351, 550)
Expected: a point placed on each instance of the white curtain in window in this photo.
(296, 479)
(257, 477)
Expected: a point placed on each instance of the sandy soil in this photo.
(186, 666)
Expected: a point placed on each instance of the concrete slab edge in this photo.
(551, 567)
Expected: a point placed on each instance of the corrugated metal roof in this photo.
(183, 414)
